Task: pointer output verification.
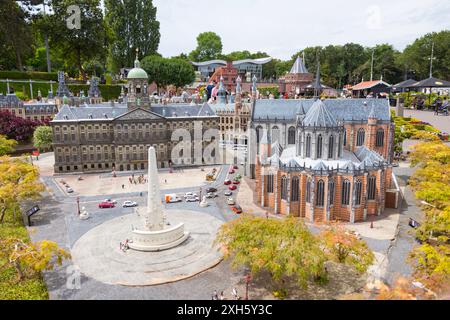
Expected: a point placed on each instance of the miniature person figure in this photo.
(221, 297)
(234, 294)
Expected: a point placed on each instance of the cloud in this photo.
(284, 27)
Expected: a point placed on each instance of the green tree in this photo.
(209, 47)
(43, 137)
(164, 71)
(6, 145)
(182, 72)
(84, 44)
(415, 57)
(15, 36)
(134, 26)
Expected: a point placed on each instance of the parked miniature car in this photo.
(227, 182)
(236, 209)
(231, 171)
(172, 198)
(236, 182)
(235, 167)
(211, 190)
(110, 200)
(69, 190)
(211, 195)
(127, 204)
(106, 205)
(190, 195)
(232, 187)
(230, 201)
(228, 193)
(192, 199)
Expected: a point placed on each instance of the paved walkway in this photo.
(438, 121)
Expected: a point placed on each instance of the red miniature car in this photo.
(235, 167)
(104, 205)
(236, 209)
(231, 171)
(232, 187)
(227, 182)
(236, 182)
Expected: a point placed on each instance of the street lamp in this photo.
(78, 205)
(248, 278)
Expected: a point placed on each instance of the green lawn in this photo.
(11, 289)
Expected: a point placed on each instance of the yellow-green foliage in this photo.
(431, 182)
(6, 145)
(286, 248)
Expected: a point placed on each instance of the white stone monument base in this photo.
(158, 240)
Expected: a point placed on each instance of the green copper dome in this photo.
(137, 72)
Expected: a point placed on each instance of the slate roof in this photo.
(341, 109)
(404, 84)
(319, 115)
(108, 112)
(299, 66)
(432, 83)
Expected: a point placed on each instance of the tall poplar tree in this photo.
(134, 25)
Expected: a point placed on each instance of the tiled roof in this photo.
(368, 84)
(341, 109)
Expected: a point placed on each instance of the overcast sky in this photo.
(283, 27)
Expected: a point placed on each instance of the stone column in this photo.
(275, 191)
(311, 204)
(288, 194)
(366, 176)
(352, 200)
(327, 199)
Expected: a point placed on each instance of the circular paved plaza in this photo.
(97, 253)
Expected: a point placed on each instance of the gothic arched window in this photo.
(345, 192)
(372, 188)
(275, 134)
(380, 138)
(284, 187)
(330, 147)
(319, 146)
(361, 137)
(331, 191)
(320, 193)
(345, 138)
(295, 189)
(291, 135)
(358, 192)
(308, 190)
(308, 146)
(339, 147)
(258, 134)
(270, 183)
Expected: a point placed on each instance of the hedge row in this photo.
(26, 75)
(109, 92)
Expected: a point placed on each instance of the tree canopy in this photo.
(6, 145)
(164, 71)
(286, 248)
(209, 47)
(134, 26)
(43, 137)
(18, 181)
